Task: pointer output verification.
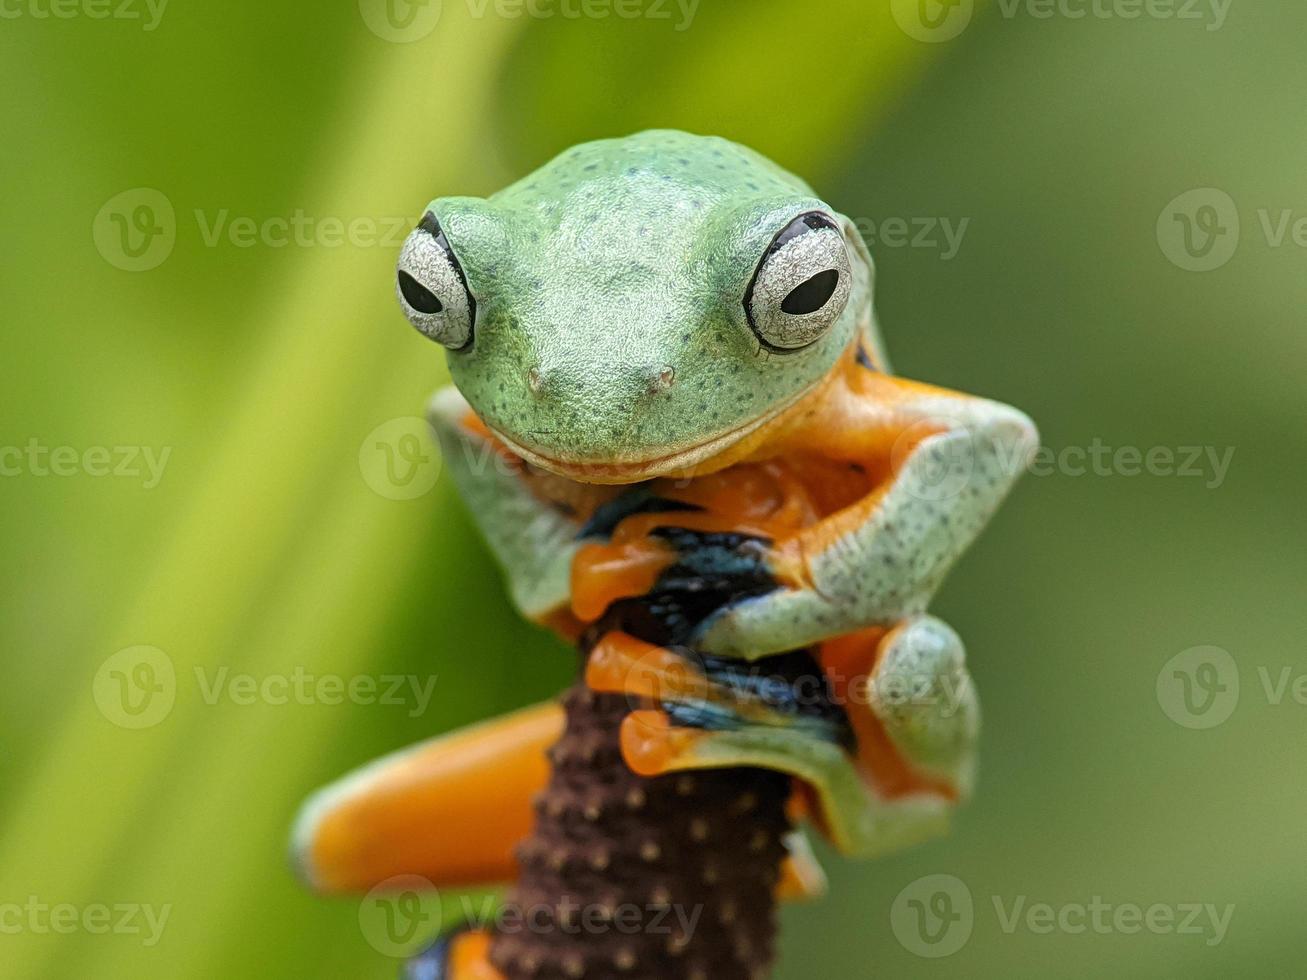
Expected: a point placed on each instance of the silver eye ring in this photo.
(432, 289)
(802, 284)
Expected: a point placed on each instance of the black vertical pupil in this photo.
(418, 296)
(812, 294)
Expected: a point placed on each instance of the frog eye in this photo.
(432, 288)
(802, 285)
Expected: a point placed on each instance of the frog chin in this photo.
(714, 453)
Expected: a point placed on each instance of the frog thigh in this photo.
(532, 540)
(886, 567)
(450, 809)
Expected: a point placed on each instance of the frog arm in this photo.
(532, 539)
(948, 461)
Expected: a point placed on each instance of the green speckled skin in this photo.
(642, 308)
(615, 262)
(611, 329)
(889, 568)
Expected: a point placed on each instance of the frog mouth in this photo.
(707, 456)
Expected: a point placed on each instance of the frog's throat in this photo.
(705, 457)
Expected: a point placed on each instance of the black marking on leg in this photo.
(790, 689)
(713, 570)
(791, 686)
(714, 561)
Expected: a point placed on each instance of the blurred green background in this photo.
(262, 369)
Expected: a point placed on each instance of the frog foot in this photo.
(881, 740)
(703, 694)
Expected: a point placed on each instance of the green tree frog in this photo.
(674, 421)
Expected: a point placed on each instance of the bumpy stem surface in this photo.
(666, 878)
(669, 878)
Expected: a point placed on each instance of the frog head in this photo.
(637, 307)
